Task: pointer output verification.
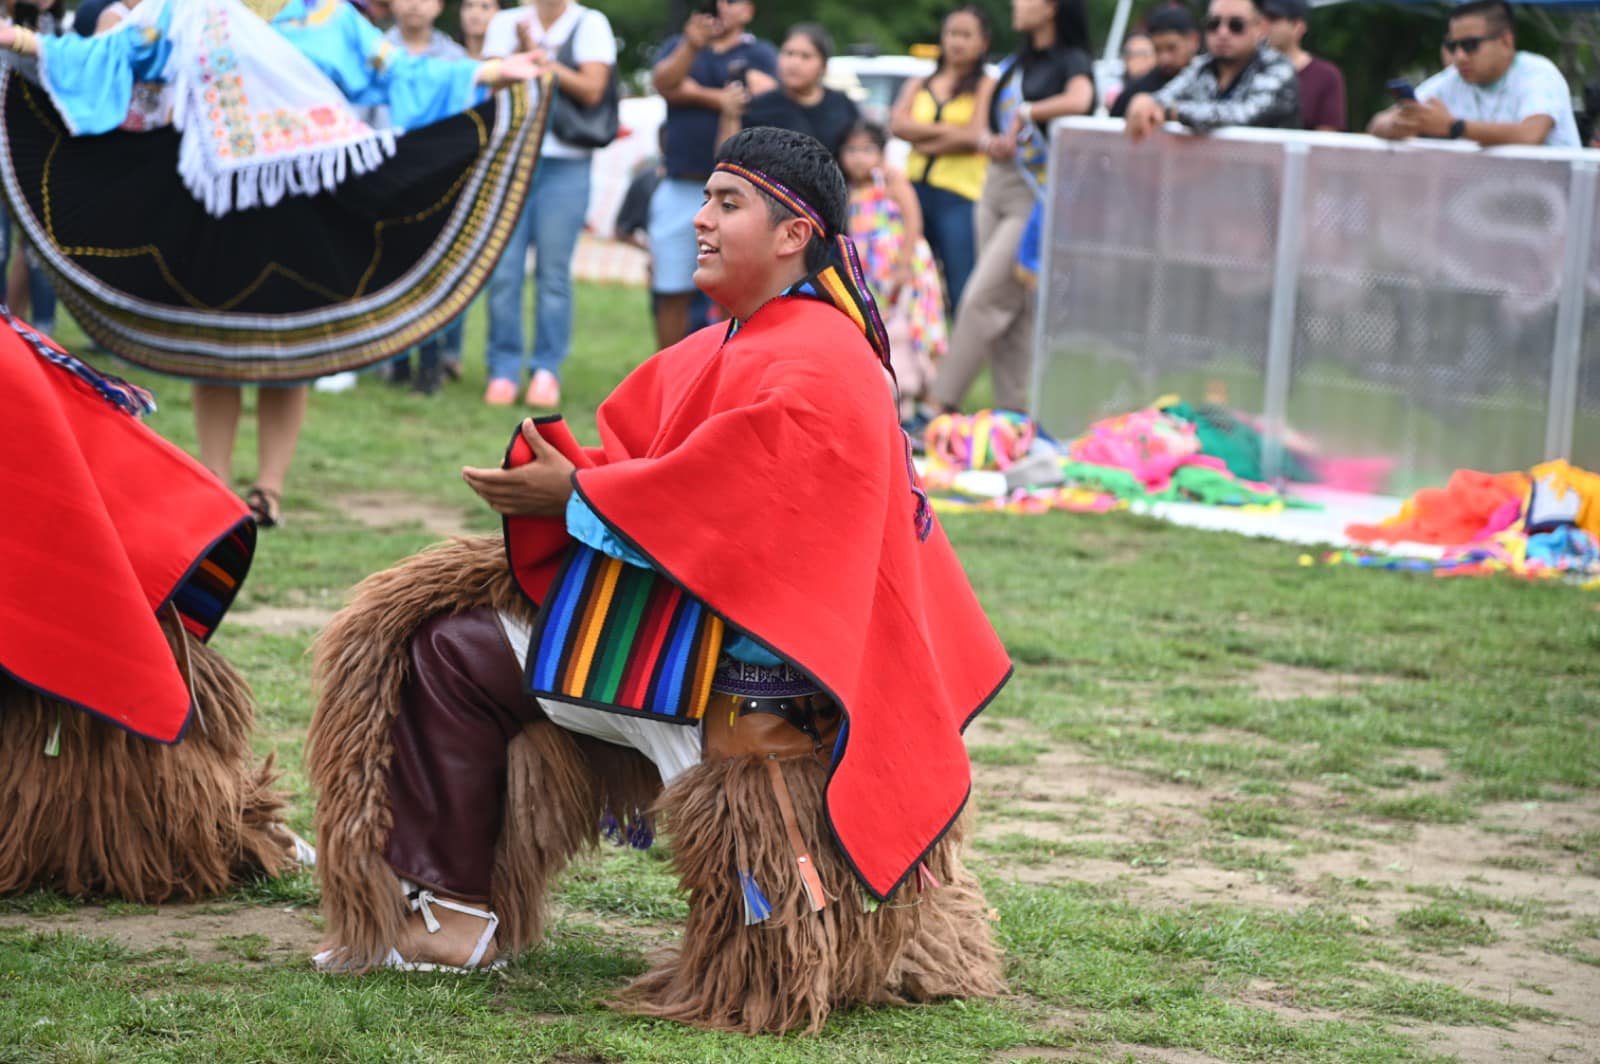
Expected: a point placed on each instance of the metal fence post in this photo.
(1568, 350)
(1041, 289)
(1285, 289)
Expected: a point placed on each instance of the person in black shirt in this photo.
(1177, 41)
(1051, 76)
(800, 102)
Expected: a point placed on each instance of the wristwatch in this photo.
(1458, 129)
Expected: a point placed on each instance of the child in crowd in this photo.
(475, 16)
(886, 224)
(439, 356)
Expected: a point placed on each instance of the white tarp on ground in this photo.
(1305, 527)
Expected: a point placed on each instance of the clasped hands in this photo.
(1413, 118)
(540, 488)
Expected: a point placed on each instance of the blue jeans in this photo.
(446, 343)
(550, 224)
(948, 221)
(41, 297)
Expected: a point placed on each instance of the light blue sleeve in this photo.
(370, 71)
(743, 648)
(90, 79)
(423, 90)
(587, 528)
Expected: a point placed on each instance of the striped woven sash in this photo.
(621, 637)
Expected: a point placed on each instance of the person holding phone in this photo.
(696, 68)
(800, 101)
(1490, 93)
(1240, 81)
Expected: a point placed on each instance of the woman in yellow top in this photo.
(943, 116)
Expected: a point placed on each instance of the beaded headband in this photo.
(778, 191)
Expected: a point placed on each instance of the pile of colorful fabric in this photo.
(1167, 452)
(1540, 525)
(998, 460)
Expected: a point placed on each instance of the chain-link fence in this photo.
(1424, 305)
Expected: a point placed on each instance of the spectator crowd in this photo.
(940, 237)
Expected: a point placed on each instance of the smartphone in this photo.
(1400, 90)
(26, 14)
(706, 7)
(737, 69)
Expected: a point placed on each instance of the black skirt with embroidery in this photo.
(309, 286)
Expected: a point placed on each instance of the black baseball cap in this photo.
(1171, 19)
(1290, 9)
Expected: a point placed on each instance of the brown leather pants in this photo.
(461, 705)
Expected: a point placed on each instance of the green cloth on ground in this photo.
(1222, 435)
(1109, 479)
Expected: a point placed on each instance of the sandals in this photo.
(266, 506)
(423, 901)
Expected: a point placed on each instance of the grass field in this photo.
(1231, 809)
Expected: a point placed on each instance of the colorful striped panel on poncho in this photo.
(208, 591)
(625, 638)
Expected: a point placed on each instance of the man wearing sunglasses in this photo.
(1491, 93)
(1241, 82)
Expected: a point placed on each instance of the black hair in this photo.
(820, 39)
(1072, 25)
(1170, 19)
(871, 130)
(808, 169)
(969, 83)
(1497, 13)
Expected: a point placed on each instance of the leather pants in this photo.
(461, 704)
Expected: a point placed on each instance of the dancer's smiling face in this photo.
(745, 255)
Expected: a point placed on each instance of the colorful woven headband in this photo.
(778, 191)
(841, 281)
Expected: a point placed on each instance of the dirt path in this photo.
(202, 931)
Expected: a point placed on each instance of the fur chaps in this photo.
(121, 816)
(785, 973)
(560, 784)
(794, 967)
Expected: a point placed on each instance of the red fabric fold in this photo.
(104, 520)
(1461, 512)
(768, 476)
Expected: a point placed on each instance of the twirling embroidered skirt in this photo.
(310, 286)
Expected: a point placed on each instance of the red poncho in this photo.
(105, 523)
(768, 476)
